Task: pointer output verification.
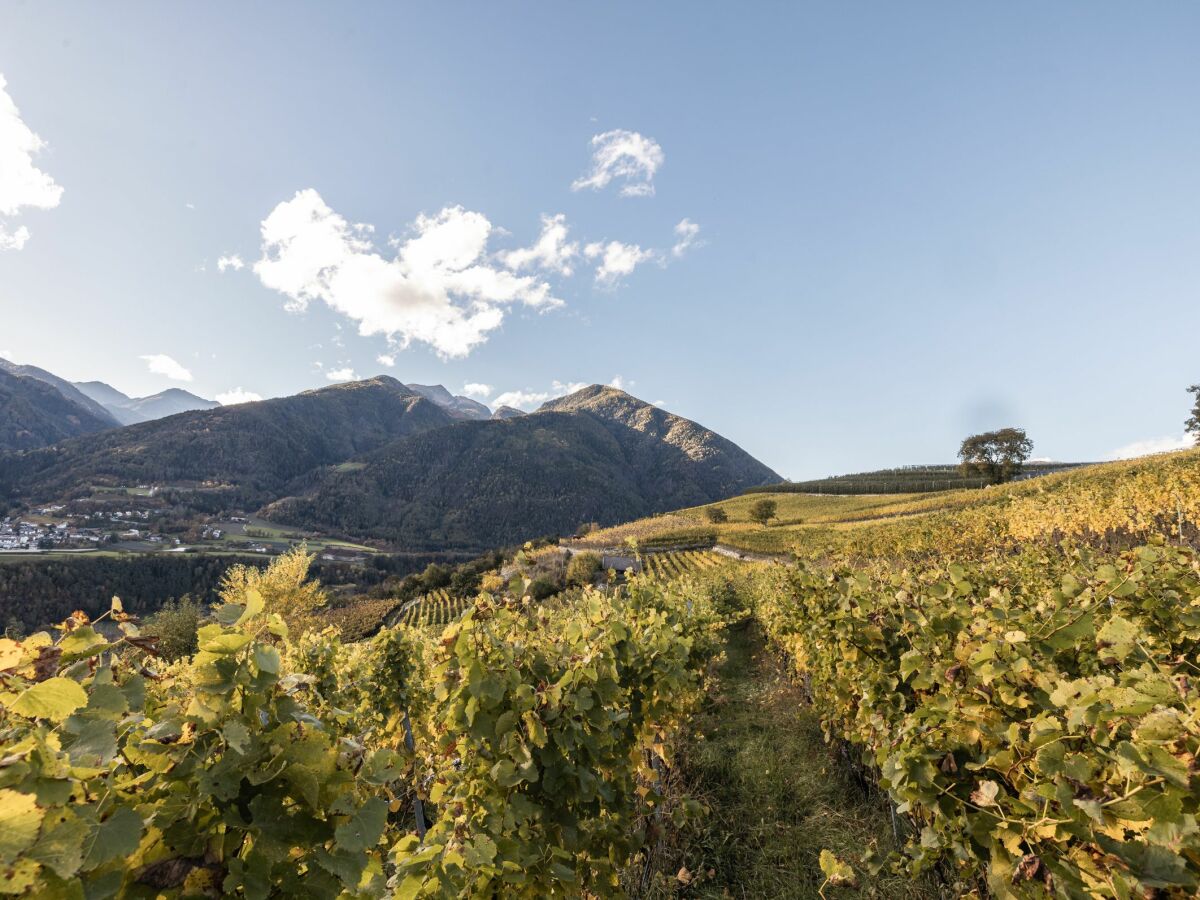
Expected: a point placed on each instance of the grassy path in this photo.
(777, 793)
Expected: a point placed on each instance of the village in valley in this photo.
(142, 519)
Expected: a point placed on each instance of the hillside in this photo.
(34, 414)
(597, 455)
(906, 480)
(252, 450)
(65, 388)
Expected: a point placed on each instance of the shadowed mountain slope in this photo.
(252, 449)
(603, 456)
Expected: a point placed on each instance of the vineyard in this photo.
(670, 566)
(436, 608)
(1015, 674)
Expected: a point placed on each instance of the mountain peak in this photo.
(459, 407)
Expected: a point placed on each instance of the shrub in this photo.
(541, 588)
(583, 568)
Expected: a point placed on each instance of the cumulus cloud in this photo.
(620, 383)
(616, 260)
(22, 184)
(386, 359)
(1154, 445)
(161, 364)
(232, 261)
(627, 157)
(238, 395)
(477, 390)
(687, 234)
(439, 289)
(529, 399)
(551, 251)
(344, 374)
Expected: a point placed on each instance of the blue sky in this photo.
(914, 220)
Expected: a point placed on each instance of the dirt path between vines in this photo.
(777, 793)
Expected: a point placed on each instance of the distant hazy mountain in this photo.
(131, 410)
(597, 455)
(33, 413)
(507, 412)
(459, 407)
(65, 388)
(241, 455)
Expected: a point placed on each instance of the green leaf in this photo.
(53, 699)
(20, 819)
(237, 735)
(95, 745)
(266, 658)
(480, 852)
(1118, 635)
(365, 827)
(118, 835)
(61, 845)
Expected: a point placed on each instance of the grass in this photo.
(777, 794)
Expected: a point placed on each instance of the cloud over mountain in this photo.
(441, 288)
(22, 184)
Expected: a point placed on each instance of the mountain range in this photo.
(32, 417)
(131, 410)
(379, 460)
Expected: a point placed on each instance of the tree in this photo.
(1193, 424)
(996, 455)
(716, 515)
(763, 511)
(283, 586)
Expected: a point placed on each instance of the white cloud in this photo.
(6, 354)
(238, 395)
(528, 399)
(620, 383)
(232, 261)
(161, 364)
(687, 236)
(624, 156)
(439, 289)
(551, 251)
(616, 260)
(477, 390)
(344, 374)
(386, 359)
(22, 184)
(1154, 445)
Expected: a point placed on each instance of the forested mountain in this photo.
(598, 455)
(252, 449)
(68, 391)
(131, 410)
(33, 414)
(375, 459)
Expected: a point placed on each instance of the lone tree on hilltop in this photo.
(996, 455)
(1193, 423)
(763, 511)
(716, 515)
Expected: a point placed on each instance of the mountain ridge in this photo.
(133, 410)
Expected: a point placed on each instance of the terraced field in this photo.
(435, 608)
(669, 566)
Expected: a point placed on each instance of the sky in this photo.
(842, 235)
